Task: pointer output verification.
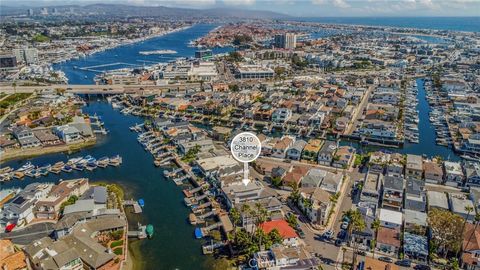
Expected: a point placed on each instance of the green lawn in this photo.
(116, 243)
(118, 251)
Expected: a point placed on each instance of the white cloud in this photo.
(340, 3)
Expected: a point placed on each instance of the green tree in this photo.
(375, 227)
(277, 181)
(446, 229)
(356, 224)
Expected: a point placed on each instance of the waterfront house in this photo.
(437, 199)
(68, 133)
(326, 153)
(472, 173)
(415, 195)
(415, 222)
(212, 165)
(315, 203)
(414, 167)
(433, 172)
(280, 148)
(295, 151)
(395, 165)
(344, 157)
(49, 207)
(388, 241)
(288, 234)
(390, 219)
(237, 192)
(453, 173)
(459, 203)
(415, 247)
(205, 145)
(470, 258)
(25, 137)
(393, 192)
(310, 151)
(46, 137)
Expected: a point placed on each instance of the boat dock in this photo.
(141, 233)
(136, 207)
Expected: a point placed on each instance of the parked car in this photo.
(328, 234)
(406, 263)
(421, 267)
(344, 225)
(385, 259)
(301, 234)
(339, 242)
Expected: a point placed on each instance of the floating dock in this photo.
(136, 207)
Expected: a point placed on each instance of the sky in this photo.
(306, 8)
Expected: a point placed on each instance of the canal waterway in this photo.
(173, 245)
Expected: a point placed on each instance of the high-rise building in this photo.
(55, 11)
(286, 41)
(44, 11)
(26, 55)
(7, 62)
(30, 12)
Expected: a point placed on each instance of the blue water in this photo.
(427, 136)
(173, 245)
(470, 24)
(129, 54)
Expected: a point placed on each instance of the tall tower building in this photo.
(30, 12)
(286, 41)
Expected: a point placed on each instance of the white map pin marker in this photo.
(246, 147)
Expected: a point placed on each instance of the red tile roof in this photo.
(282, 226)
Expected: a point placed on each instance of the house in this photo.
(310, 151)
(388, 240)
(453, 173)
(378, 161)
(211, 166)
(390, 219)
(472, 174)
(10, 258)
(280, 116)
(315, 202)
(205, 145)
(272, 205)
(49, 207)
(414, 167)
(279, 150)
(393, 192)
(221, 133)
(20, 209)
(295, 176)
(330, 182)
(68, 133)
(395, 166)
(433, 172)
(295, 151)
(471, 247)
(415, 195)
(415, 221)
(281, 257)
(289, 236)
(46, 137)
(365, 238)
(343, 157)
(25, 137)
(415, 247)
(437, 199)
(371, 188)
(326, 153)
(460, 205)
(374, 264)
(237, 192)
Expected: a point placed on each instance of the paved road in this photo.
(29, 234)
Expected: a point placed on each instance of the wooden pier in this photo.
(136, 207)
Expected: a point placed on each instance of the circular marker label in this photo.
(246, 147)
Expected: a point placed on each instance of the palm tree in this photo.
(375, 227)
(235, 218)
(357, 224)
(245, 211)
